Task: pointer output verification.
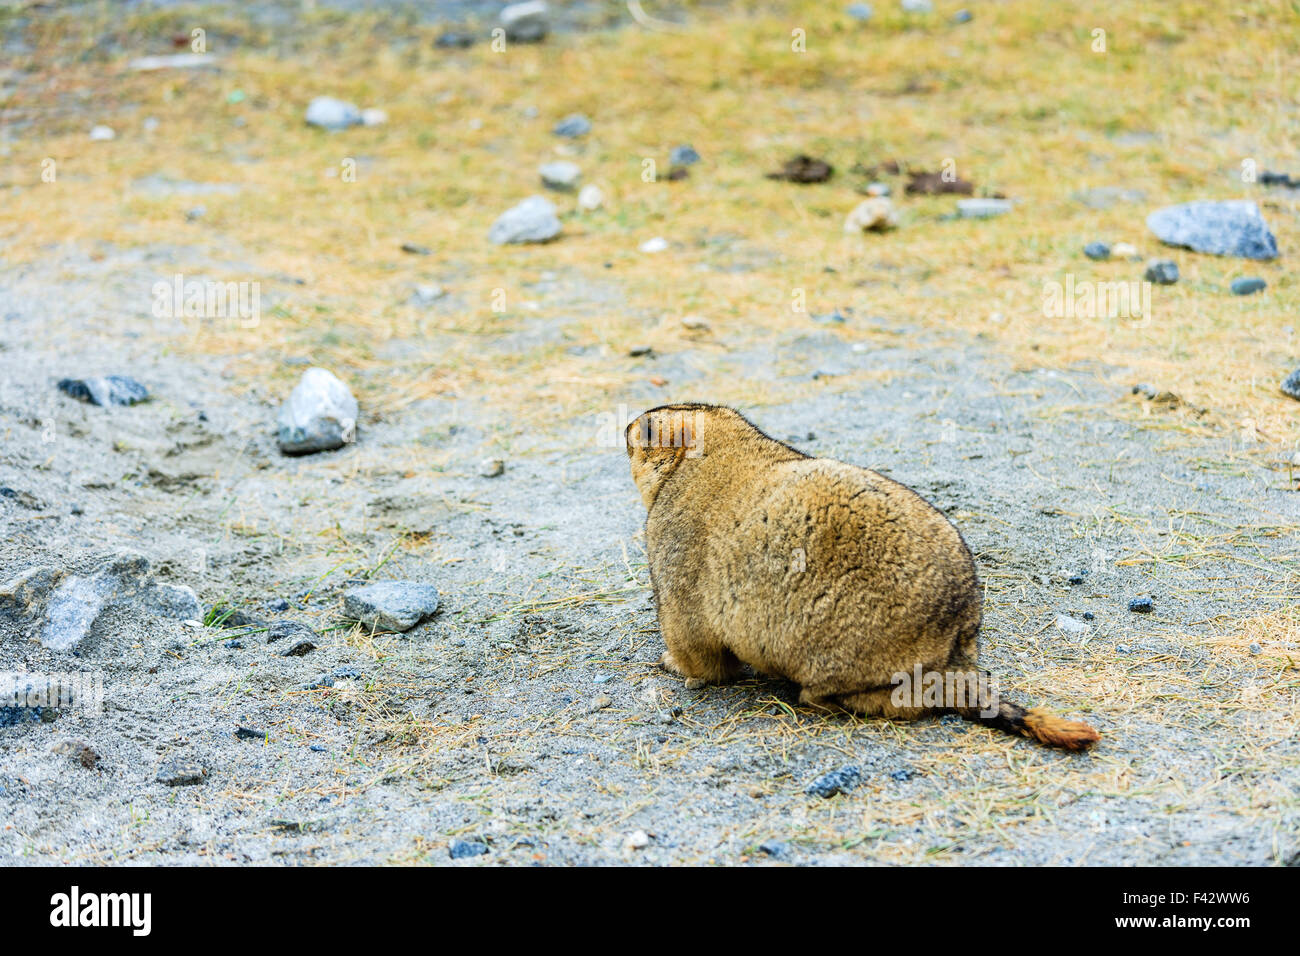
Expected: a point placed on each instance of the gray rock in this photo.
(297, 648)
(67, 606)
(572, 126)
(861, 12)
(917, 6)
(982, 208)
(837, 781)
(526, 22)
(329, 113)
(1097, 250)
(1248, 286)
(107, 390)
(533, 220)
(1141, 605)
(1291, 385)
(454, 40)
(684, 155)
(1231, 227)
(462, 849)
(391, 605)
(492, 467)
(178, 773)
(1161, 271)
(320, 415)
(291, 630)
(561, 175)
(963, 16)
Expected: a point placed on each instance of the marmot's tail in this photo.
(1035, 724)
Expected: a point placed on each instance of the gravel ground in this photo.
(529, 715)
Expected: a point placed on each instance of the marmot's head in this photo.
(660, 439)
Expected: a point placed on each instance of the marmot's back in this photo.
(847, 574)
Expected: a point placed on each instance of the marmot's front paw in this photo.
(695, 683)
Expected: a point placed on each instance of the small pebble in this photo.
(837, 781)
(1141, 605)
(590, 198)
(297, 648)
(1161, 272)
(462, 849)
(492, 467)
(683, 156)
(657, 244)
(1256, 649)
(1097, 250)
(1248, 286)
(573, 126)
(637, 351)
(636, 840)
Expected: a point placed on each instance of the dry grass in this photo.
(460, 147)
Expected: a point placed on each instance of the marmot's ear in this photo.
(637, 433)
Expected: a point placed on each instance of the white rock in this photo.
(871, 215)
(373, 117)
(562, 175)
(590, 198)
(657, 244)
(1124, 250)
(426, 293)
(174, 61)
(319, 415)
(637, 840)
(102, 134)
(1071, 625)
(983, 208)
(329, 113)
(526, 22)
(533, 220)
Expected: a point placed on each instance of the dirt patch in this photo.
(529, 713)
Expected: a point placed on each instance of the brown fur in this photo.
(827, 574)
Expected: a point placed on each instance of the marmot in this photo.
(821, 572)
